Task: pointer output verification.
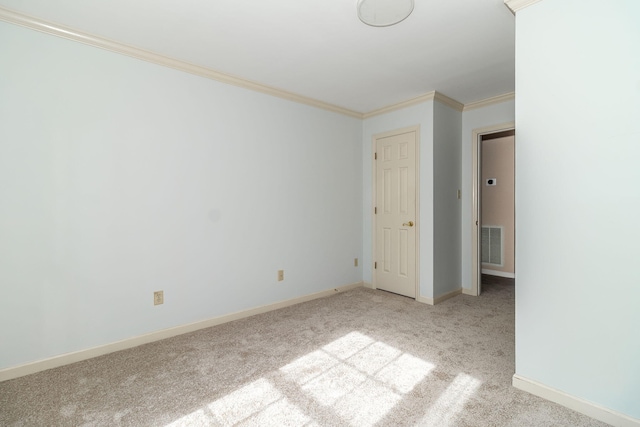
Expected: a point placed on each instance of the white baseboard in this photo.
(439, 299)
(368, 285)
(77, 356)
(499, 273)
(466, 291)
(577, 404)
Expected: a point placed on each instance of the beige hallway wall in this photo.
(498, 162)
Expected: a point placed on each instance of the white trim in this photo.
(374, 188)
(518, 5)
(475, 193)
(431, 96)
(439, 299)
(577, 404)
(437, 96)
(58, 30)
(449, 101)
(368, 285)
(499, 273)
(68, 358)
(490, 101)
(400, 105)
(466, 291)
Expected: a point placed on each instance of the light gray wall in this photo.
(446, 205)
(121, 177)
(577, 199)
(478, 118)
(422, 115)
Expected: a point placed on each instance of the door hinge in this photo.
(375, 156)
(375, 210)
(375, 265)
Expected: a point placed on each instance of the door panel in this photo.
(396, 217)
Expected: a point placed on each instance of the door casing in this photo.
(476, 266)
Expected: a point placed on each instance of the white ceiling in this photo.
(319, 49)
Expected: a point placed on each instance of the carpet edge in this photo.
(89, 353)
(578, 404)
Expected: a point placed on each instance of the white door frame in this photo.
(375, 137)
(476, 265)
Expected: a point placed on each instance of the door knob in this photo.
(408, 224)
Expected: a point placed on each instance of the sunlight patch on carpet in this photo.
(308, 367)
(257, 403)
(374, 357)
(348, 345)
(445, 410)
(404, 373)
(358, 379)
(197, 418)
(367, 404)
(280, 413)
(244, 402)
(334, 384)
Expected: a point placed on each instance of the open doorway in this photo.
(493, 225)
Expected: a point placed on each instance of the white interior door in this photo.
(396, 213)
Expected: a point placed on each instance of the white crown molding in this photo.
(400, 105)
(431, 96)
(518, 5)
(585, 407)
(449, 101)
(490, 101)
(58, 30)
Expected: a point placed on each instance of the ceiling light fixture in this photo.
(383, 13)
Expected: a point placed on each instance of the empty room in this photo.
(284, 213)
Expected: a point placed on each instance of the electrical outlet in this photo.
(280, 275)
(355, 262)
(158, 297)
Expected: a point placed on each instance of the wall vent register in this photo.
(492, 245)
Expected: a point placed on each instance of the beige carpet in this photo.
(358, 358)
